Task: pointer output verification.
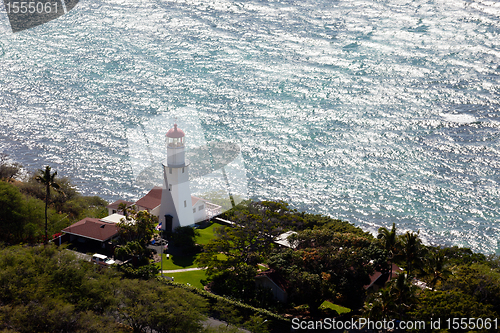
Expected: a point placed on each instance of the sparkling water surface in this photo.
(370, 111)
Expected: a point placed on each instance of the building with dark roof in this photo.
(92, 232)
(113, 208)
(150, 202)
(270, 279)
(379, 279)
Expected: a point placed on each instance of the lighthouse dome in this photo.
(175, 132)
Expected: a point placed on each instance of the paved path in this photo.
(80, 255)
(183, 270)
(214, 323)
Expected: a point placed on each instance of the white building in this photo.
(178, 207)
(173, 203)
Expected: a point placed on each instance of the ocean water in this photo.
(372, 111)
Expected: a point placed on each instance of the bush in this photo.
(185, 237)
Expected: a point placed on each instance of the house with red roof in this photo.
(94, 233)
(113, 207)
(150, 202)
(271, 280)
(379, 279)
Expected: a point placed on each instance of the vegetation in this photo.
(8, 170)
(244, 245)
(27, 217)
(458, 283)
(136, 230)
(185, 238)
(324, 272)
(327, 265)
(45, 289)
(330, 262)
(192, 278)
(22, 217)
(47, 179)
(322, 265)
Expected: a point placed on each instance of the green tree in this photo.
(240, 247)
(237, 282)
(390, 243)
(81, 206)
(185, 237)
(380, 305)
(477, 280)
(228, 313)
(316, 275)
(256, 324)
(160, 308)
(47, 178)
(412, 251)
(404, 293)
(137, 226)
(47, 289)
(232, 257)
(462, 255)
(394, 301)
(444, 305)
(136, 230)
(12, 219)
(327, 265)
(436, 266)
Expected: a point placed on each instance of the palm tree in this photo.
(46, 178)
(403, 292)
(393, 301)
(390, 242)
(412, 251)
(380, 305)
(436, 267)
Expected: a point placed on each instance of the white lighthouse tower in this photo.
(176, 205)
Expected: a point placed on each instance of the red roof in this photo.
(152, 199)
(115, 204)
(175, 132)
(93, 229)
(373, 278)
(194, 200)
(272, 275)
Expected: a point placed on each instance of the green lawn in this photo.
(191, 277)
(180, 262)
(177, 262)
(261, 267)
(338, 308)
(206, 234)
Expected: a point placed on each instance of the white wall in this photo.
(199, 211)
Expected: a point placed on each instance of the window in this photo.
(182, 170)
(170, 170)
(185, 205)
(201, 207)
(194, 210)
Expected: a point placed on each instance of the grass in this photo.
(181, 262)
(191, 277)
(177, 262)
(338, 308)
(206, 234)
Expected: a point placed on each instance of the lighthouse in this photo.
(176, 203)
